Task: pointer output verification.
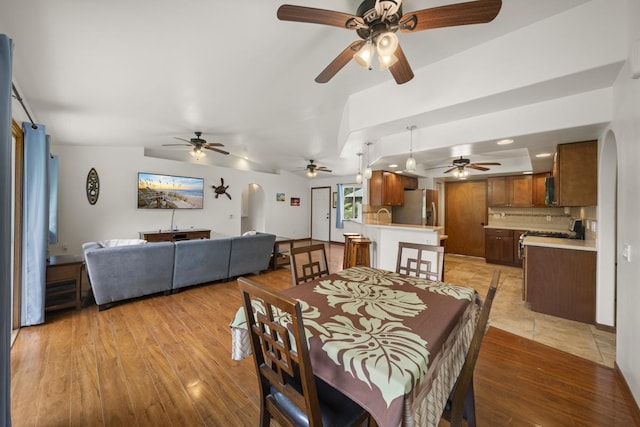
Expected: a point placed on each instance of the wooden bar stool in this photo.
(360, 252)
(347, 248)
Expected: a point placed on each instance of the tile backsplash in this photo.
(554, 219)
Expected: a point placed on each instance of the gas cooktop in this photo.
(556, 234)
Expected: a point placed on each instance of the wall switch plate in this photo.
(626, 252)
(548, 218)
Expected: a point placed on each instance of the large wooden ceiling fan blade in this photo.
(473, 12)
(475, 166)
(486, 164)
(208, 147)
(288, 12)
(452, 169)
(340, 61)
(401, 70)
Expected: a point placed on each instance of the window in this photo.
(352, 202)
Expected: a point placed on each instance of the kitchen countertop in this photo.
(411, 226)
(526, 228)
(554, 242)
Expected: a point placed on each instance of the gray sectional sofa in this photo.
(123, 272)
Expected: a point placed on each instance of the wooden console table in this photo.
(63, 282)
(175, 235)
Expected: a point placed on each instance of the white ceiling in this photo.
(141, 73)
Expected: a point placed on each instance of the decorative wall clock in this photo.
(93, 186)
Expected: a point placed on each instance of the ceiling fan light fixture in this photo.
(365, 55)
(387, 43)
(386, 61)
(311, 173)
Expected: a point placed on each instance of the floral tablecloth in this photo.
(393, 343)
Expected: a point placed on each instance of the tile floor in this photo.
(511, 314)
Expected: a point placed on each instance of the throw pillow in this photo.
(120, 242)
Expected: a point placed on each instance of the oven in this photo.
(554, 234)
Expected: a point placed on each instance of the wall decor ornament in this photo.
(93, 186)
(295, 201)
(279, 197)
(221, 189)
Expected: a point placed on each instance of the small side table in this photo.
(64, 282)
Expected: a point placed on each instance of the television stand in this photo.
(175, 235)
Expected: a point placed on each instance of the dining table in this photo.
(393, 343)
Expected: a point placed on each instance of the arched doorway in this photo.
(252, 212)
(607, 231)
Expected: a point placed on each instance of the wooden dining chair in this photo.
(308, 263)
(289, 392)
(426, 261)
(461, 402)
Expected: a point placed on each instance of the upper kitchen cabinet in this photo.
(539, 189)
(409, 182)
(510, 191)
(575, 174)
(386, 189)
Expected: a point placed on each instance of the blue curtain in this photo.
(6, 50)
(36, 223)
(340, 207)
(53, 198)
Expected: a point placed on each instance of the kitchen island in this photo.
(560, 277)
(385, 238)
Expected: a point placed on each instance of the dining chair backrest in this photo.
(308, 263)
(461, 403)
(426, 261)
(288, 389)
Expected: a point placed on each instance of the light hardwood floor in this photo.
(165, 360)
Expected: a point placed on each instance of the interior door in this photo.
(465, 217)
(321, 213)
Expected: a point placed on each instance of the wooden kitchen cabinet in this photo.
(499, 245)
(575, 174)
(510, 191)
(409, 182)
(386, 189)
(539, 189)
(561, 282)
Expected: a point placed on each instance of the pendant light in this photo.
(411, 162)
(368, 172)
(359, 176)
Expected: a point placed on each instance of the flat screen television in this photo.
(157, 191)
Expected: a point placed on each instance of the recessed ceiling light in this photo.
(393, 165)
(505, 142)
(543, 155)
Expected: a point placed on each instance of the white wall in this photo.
(626, 127)
(116, 215)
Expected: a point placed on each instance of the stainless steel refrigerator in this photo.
(420, 208)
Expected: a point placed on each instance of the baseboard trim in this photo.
(624, 383)
(605, 328)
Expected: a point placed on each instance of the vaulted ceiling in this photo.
(141, 73)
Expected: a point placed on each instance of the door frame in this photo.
(16, 131)
(328, 189)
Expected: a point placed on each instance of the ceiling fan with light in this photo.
(376, 23)
(199, 145)
(459, 167)
(313, 169)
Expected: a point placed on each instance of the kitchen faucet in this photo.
(378, 214)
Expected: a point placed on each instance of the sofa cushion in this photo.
(250, 254)
(123, 272)
(201, 261)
